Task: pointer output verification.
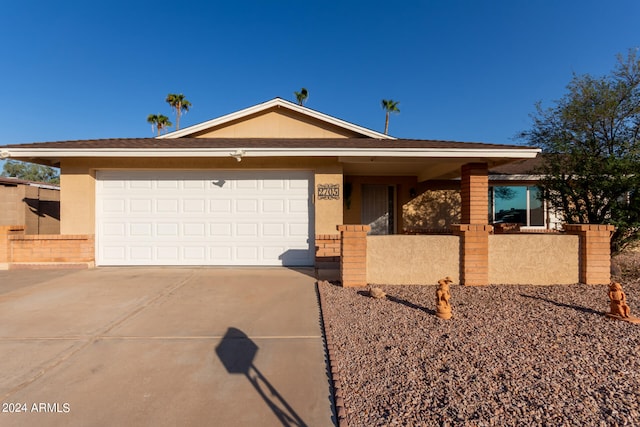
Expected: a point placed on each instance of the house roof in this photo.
(426, 159)
(360, 151)
(518, 167)
(274, 103)
(292, 143)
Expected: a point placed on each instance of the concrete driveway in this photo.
(162, 346)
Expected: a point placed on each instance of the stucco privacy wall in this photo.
(537, 259)
(78, 185)
(36, 207)
(410, 260)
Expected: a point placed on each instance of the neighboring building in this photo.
(35, 205)
(261, 186)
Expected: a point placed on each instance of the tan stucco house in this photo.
(274, 184)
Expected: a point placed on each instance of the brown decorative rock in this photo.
(377, 293)
(443, 308)
(619, 309)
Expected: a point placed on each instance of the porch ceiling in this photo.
(423, 168)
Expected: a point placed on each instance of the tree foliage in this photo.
(301, 97)
(158, 121)
(590, 140)
(389, 106)
(30, 172)
(179, 104)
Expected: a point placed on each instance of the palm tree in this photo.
(301, 96)
(389, 106)
(179, 105)
(158, 121)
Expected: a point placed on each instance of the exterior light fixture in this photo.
(237, 154)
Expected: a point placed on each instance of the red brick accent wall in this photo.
(595, 252)
(328, 251)
(474, 253)
(353, 255)
(474, 189)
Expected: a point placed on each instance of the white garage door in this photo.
(204, 218)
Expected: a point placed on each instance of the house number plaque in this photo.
(328, 191)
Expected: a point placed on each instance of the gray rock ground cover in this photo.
(511, 355)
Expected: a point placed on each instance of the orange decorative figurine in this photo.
(443, 308)
(618, 304)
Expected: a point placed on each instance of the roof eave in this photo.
(59, 153)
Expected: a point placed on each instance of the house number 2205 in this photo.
(328, 191)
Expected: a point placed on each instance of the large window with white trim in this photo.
(516, 204)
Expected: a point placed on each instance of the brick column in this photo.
(5, 245)
(474, 192)
(474, 253)
(327, 256)
(595, 252)
(353, 255)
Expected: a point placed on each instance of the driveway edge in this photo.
(335, 377)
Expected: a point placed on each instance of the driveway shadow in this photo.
(237, 351)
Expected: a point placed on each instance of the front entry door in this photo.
(378, 208)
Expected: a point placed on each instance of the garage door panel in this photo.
(167, 206)
(194, 206)
(247, 206)
(221, 230)
(140, 229)
(204, 218)
(220, 206)
(167, 253)
(167, 229)
(195, 230)
(141, 253)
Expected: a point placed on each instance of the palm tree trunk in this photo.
(386, 124)
(178, 111)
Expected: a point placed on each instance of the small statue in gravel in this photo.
(443, 308)
(618, 304)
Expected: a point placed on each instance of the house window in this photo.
(517, 205)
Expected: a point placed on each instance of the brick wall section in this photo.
(353, 255)
(595, 252)
(327, 261)
(5, 247)
(328, 248)
(474, 253)
(52, 248)
(474, 188)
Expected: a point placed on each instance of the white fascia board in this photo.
(277, 102)
(345, 154)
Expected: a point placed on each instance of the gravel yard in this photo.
(511, 355)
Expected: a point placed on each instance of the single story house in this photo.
(275, 184)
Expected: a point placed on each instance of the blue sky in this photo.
(461, 70)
